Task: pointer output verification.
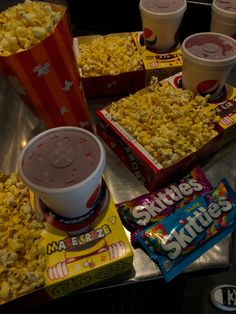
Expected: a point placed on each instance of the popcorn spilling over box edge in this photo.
(124, 80)
(76, 261)
(150, 172)
(37, 60)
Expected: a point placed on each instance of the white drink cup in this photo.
(223, 17)
(63, 166)
(160, 21)
(207, 61)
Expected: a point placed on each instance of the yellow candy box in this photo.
(75, 261)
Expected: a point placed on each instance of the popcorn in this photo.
(24, 25)
(109, 55)
(169, 123)
(22, 258)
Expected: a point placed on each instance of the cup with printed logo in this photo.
(207, 61)
(161, 20)
(223, 17)
(63, 166)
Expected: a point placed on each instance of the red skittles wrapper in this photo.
(46, 76)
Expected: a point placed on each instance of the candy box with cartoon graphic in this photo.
(150, 171)
(79, 260)
(119, 63)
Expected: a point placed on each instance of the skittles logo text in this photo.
(178, 240)
(168, 197)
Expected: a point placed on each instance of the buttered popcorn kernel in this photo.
(24, 25)
(169, 123)
(109, 55)
(22, 258)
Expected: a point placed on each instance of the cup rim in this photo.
(213, 62)
(163, 15)
(220, 11)
(47, 190)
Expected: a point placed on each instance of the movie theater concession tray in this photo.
(147, 169)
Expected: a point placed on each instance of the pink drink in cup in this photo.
(161, 20)
(207, 61)
(223, 17)
(63, 166)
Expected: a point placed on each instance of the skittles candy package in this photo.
(179, 239)
(140, 212)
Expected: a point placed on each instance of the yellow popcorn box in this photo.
(150, 171)
(76, 260)
(112, 71)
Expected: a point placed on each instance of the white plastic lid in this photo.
(163, 8)
(225, 8)
(210, 48)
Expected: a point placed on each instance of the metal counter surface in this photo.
(18, 125)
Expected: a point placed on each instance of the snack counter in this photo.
(19, 125)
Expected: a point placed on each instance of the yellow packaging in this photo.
(75, 261)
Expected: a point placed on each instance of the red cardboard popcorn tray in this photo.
(146, 168)
(161, 65)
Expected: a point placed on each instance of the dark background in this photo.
(114, 16)
(104, 17)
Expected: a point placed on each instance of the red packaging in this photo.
(47, 79)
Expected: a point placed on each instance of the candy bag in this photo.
(181, 238)
(140, 212)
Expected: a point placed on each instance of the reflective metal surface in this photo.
(18, 125)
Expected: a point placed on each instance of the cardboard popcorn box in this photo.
(160, 65)
(79, 260)
(47, 79)
(224, 105)
(146, 168)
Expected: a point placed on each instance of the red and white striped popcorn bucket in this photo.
(47, 79)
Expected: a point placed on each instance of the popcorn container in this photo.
(47, 79)
(161, 20)
(223, 17)
(208, 59)
(63, 166)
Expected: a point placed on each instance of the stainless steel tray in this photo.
(18, 125)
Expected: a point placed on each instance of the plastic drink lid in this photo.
(61, 158)
(210, 46)
(162, 6)
(229, 5)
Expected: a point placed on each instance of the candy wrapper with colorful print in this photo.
(140, 212)
(178, 240)
(46, 75)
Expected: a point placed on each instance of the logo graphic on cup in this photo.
(63, 166)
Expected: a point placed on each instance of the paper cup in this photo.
(207, 61)
(63, 166)
(161, 20)
(223, 17)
